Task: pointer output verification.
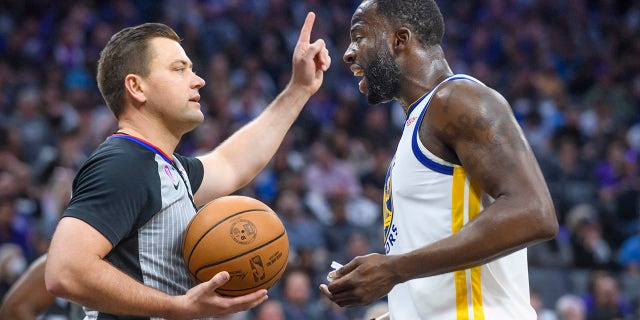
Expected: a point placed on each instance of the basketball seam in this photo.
(240, 255)
(195, 245)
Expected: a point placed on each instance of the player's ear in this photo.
(402, 37)
(134, 88)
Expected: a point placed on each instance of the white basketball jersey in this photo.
(427, 199)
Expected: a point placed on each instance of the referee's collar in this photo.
(143, 143)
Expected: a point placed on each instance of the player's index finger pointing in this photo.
(305, 33)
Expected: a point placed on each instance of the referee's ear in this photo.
(134, 89)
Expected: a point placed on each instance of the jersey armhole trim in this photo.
(417, 152)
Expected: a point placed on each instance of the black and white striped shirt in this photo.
(142, 201)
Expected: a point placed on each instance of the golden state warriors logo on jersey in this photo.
(390, 230)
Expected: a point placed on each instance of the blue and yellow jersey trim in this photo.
(437, 167)
(466, 197)
(387, 205)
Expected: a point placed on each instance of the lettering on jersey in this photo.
(410, 121)
(390, 230)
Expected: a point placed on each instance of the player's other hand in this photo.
(310, 60)
(362, 281)
(202, 300)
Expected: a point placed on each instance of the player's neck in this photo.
(418, 81)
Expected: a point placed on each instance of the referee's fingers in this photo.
(314, 49)
(305, 32)
(323, 60)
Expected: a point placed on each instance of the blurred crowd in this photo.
(570, 70)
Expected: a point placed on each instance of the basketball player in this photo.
(464, 195)
(117, 248)
(23, 303)
(28, 299)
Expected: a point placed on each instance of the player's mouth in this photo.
(358, 71)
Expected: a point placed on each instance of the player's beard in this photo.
(383, 78)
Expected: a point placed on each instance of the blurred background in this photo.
(570, 70)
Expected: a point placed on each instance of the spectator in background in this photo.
(326, 175)
(617, 175)
(33, 128)
(604, 301)
(270, 310)
(349, 149)
(297, 300)
(54, 198)
(303, 230)
(15, 229)
(357, 245)
(571, 307)
(340, 229)
(372, 180)
(568, 174)
(555, 253)
(590, 249)
(629, 253)
(376, 131)
(542, 311)
(60, 114)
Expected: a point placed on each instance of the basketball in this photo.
(240, 235)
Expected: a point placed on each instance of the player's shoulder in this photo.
(457, 85)
(467, 94)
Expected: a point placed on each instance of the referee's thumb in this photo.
(219, 279)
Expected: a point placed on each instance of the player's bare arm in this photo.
(471, 125)
(475, 127)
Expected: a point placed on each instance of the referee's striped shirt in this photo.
(141, 200)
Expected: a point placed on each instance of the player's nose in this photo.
(350, 54)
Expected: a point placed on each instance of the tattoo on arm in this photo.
(490, 132)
